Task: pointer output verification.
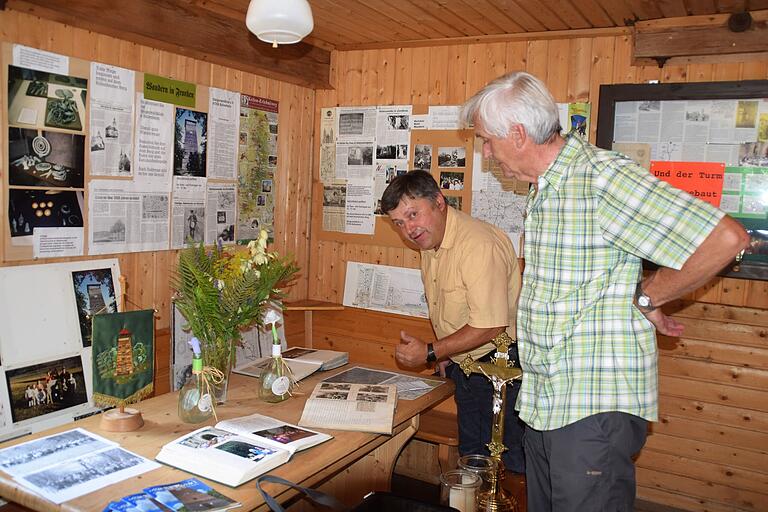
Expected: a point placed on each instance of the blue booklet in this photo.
(190, 494)
(143, 503)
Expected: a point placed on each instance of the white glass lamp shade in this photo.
(280, 21)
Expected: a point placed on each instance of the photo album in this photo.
(237, 450)
(345, 406)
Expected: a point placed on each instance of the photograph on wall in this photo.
(45, 388)
(452, 180)
(422, 157)
(94, 295)
(30, 209)
(451, 157)
(40, 100)
(38, 158)
(189, 151)
(454, 201)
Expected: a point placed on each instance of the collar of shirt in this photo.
(449, 237)
(555, 173)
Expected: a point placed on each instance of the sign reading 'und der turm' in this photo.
(167, 90)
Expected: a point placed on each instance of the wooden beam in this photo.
(182, 27)
(697, 36)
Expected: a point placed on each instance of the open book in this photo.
(238, 450)
(303, 362)
(344, 406)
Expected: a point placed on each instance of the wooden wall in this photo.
(710, 448)
(148, 273)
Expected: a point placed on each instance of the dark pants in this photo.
(474, 408)
(585, 466)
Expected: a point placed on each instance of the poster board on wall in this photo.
(450, 158)
(40, 330)
(106, 160)
(713, 122)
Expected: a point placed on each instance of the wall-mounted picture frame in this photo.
(754, 263)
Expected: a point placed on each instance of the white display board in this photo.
(40, 328)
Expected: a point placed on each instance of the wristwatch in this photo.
(643, 301)
(431, 357)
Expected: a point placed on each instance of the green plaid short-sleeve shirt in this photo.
(584, 348)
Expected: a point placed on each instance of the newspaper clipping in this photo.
(111, 120)
(126, 218)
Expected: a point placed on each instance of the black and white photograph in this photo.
(398, 122)
(37, 99)
(39, 158)
(351, 123)
(221, 217)
(451, 157)
(698, 115)
(453, 201)
(266, 186)
(373, 389)
(29, 456)
(97, 141)
(124, 163)
(452, 180)
(94, 295)
(190, 143)
(422, 158)
(261, 200)
(333, 395)
(362, 155)
(335, 195)
(194, 225)
(79, 471)
(45, 388)
(371, 397)
(115, 233)
(649, 106)
(330, 386)
(30, 209)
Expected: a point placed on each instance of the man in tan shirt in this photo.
(472, 280)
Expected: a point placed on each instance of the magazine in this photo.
(345, 406)
(303, 362)
(191, 494)
(237, 450)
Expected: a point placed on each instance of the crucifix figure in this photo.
(500, 371)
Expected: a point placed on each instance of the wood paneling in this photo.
(706, 451)
(148, 273)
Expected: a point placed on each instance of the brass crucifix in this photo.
(500, 371)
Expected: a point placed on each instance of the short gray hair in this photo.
(515, 98)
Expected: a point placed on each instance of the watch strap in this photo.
(642, 300)
(431, 357)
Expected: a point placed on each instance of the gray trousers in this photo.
(585, 466)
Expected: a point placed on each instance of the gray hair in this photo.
(515, 98)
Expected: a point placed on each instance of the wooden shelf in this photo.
(313, 305)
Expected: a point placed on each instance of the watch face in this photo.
(644, 301)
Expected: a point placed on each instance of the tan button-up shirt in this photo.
(472, 279)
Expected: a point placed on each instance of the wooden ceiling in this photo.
(214, 30)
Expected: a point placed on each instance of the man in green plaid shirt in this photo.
(586, 320)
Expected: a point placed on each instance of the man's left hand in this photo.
(665, 324)
(411, 351)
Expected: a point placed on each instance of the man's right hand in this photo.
(411, 351)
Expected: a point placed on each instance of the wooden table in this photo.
(348, 466)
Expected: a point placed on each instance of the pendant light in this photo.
(279, 21)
